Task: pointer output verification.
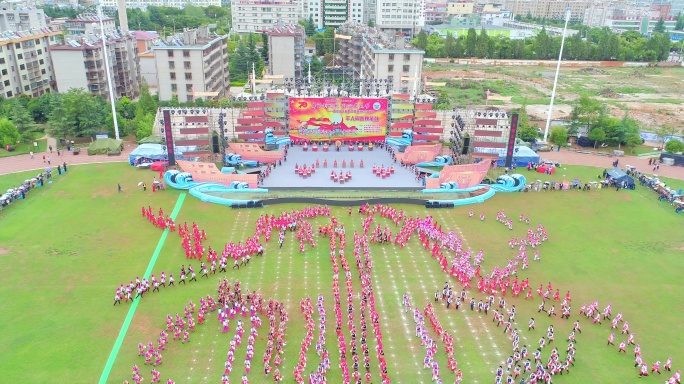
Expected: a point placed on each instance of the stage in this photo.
(284, 177)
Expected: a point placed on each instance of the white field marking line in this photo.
(456, 228)
(521, 332)
(427, 296)
(404, 317)
(465, 313)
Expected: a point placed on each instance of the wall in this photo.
(69, 67)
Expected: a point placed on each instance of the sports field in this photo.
(67, 247)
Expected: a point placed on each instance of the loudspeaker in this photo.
(250, 204)
(215, 144)
(242, 205)
(258, 204)
(234, 206)
(428, 204)
(466, 146)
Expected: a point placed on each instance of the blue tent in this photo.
(620, 176)
(521, 157)
(146, 153)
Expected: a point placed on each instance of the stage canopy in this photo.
(524, 155)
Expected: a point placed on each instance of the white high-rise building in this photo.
(262, 15)
(333, 13)
(143, 4)
(401, 16)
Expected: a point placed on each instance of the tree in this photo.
(660, 26)
(421, 41)
(264, 47)
(674, 146)
(310, 27)
(633, 140)
(525, 131)
(542, 45)
(559, 136)
(22, 119)
(596, 135)
(144, 124)
(482, 47)
(586, 114)
(146, 102)
(471, 42)
(680, 22)
(9, 134)
(371, 23)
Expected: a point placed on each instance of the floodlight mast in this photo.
(109, 74)
(555, 80)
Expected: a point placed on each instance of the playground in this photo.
(61, 282)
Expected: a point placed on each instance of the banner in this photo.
(346, 119)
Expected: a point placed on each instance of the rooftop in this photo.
(287, 30)
(15, 35)
(82, 42)
(145, 35)
(377, 39)
(189, 39)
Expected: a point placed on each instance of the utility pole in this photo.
(555, 80)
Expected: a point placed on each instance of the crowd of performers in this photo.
(464, 267)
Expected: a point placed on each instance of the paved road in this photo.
(20, 163)
(641, 163)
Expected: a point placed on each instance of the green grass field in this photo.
(24, 148)
(67, 247)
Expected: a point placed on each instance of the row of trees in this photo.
(76, 113)
(591, 115)
(162, 19)
(593, 44)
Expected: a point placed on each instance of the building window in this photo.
(189, 97)
(7, 82)
(186, 53)
(390, 68)
(22, 67)
(172, 75)
(17, 45)
(391, 56)
(170, 52)
(407, 57)
(26, 87)
(186, 64)
(42, 71)
(4, 71)
(188, 87)
(20, 56)
(172, 65)
(9, 93)
(188, 76)
(41, 61)
(406, 68)
(174, 87)
(2, 60)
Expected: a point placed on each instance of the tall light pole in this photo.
(108, 71)
(555, 80)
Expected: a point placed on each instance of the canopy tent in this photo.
(102, 146)
(620, 176)
(146, 153)
(151, 140)
(524, 155)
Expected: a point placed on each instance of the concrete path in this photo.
(21, 163)
(641, 163)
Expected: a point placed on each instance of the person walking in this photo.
(31, 154)
(118, 185)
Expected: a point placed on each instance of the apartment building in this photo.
(436, 12)
(460, 8)
(25, 63)
(80, 63)
(260, 15)
(192, 64)
(375, 54)
(13, 18)
(89, 24)
(333, 13)
(143, 4)
(548, 9)
(401, 16)
(286, 51)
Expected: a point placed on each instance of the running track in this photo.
(20, 163)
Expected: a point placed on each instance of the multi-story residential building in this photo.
(80, 63)
(261, 15)
(143, 4)
(496, 18)
(677, 8)
(548, 9)
(640, 19)
(148, 67)
(435, 12)
(643, 25)
(460, 8)
(332, 13)
(286, 51)
(402, 16)
(88, 24)
(335, 12)
(13, 18)
(25, 63)
(374, 54)
(192, 64)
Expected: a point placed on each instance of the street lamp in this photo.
(555, 80)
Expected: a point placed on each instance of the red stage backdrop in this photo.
(330, 118)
